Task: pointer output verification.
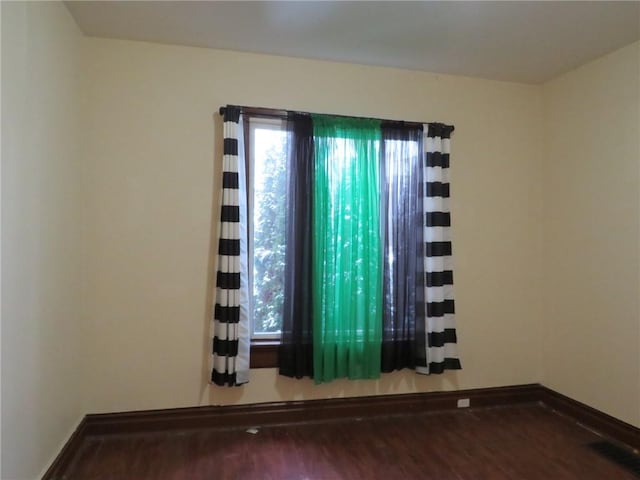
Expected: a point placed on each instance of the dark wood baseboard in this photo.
(66, 455)
(301, 411)
(307, 411)
(592, 418)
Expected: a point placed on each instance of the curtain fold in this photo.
(232, 301)
(441, 338)
(347, 252)
(295, 354)
(403, 331)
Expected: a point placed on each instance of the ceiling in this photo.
(528, 42)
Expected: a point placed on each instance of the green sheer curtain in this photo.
(347, 250)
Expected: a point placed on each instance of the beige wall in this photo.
(110, 182)
(150, 184)
(591, 237)
(41, 388)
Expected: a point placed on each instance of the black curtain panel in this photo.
(295, 355)
(403, 332)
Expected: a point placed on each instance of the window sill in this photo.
(264, 354)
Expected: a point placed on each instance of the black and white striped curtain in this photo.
(441, 349)
(231, 338)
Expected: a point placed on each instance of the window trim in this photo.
(264, 353)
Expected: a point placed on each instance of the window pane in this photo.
(269, 203)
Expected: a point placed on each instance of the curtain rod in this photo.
(279, 113)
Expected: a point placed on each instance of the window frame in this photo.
(264, 351)
(267, 124)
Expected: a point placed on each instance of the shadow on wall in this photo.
(267, 386)
(404, 381)
(212, 262)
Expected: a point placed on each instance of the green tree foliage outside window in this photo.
(269, 210)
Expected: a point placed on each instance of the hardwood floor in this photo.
(516, 442)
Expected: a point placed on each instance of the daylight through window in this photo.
(268, 187)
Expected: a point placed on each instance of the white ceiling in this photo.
(527, 42)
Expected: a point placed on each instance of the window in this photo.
(267, 149)
(267, 204)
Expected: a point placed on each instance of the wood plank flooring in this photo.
(518, 442)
